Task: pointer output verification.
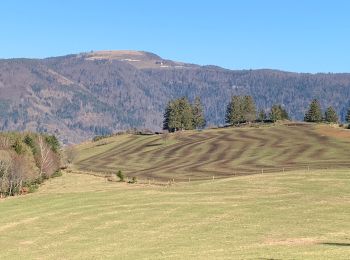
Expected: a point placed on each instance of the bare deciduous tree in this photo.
(45, 158)
(5, 142)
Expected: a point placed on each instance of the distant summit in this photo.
(138, 59)
(82, 95)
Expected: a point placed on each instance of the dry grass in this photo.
(295, 215)
(219, 152)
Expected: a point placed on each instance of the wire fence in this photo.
(214, 175)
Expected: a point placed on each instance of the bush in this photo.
(53, 142)
(32, 187)
(120, 175)
(56, 174)
(18, 146)
(133, 180)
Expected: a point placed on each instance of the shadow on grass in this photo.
(335, 244)
(150, 145)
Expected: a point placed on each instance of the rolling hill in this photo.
(226, 152)
(83, 95)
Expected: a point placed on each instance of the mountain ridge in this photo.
(78, 96)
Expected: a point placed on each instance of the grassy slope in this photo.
(294, 215)
(219, 152)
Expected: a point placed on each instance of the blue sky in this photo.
(302, 36)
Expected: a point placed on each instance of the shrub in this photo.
(53, 142)
(29, 141)
(133, 180)
(120, 175)
(18, 146)
(57, 173)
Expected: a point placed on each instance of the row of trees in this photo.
(180, 114)
(26, 160)
(242, 109)
(314, 114)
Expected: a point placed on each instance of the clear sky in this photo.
(302, 36)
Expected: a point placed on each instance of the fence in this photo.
(214, 175)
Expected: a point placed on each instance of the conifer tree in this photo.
(275, 113)
(331, 115)
(262, 115)
(284, 113)
(314, 114)
(172, 118)
(234, 111)
(166, 116)
(178, 115)
(198, 115)
(248, 109)
(186, 115)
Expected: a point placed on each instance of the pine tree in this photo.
(186, 114)
(331, 115)
(178, 115)
(172, 117)
(234, 111)
(314, 114)
(167, 116)
(284, 113)
(275, 113)
(198, 116)
(248, 109)
(262, 116)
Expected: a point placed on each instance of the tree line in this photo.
(26, 160)
(314, 114)
(180, 114)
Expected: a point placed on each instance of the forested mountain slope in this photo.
(79, 96)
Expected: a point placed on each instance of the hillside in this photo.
(80, 96)
(220, 153)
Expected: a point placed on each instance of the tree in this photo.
(248, 109)
(178, 115)
(234, 111)
(330, 115)
(47, 160)
(314, 114)
(186, 115)
(167, 116)
(284, 113)
(275, 113)
(198, 115)
(120, 175)
(262, 116)
(53, 142)
(18, 146)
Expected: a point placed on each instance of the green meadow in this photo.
(292, 215)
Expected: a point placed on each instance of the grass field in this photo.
(220, 152)
(291, 215)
